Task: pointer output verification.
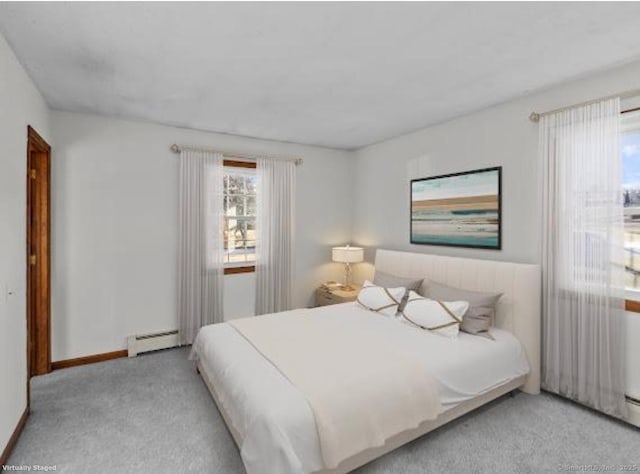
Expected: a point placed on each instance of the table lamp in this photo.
(347, 255)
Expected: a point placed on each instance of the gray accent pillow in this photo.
(387, 280)
(482, 306)
(477, 321)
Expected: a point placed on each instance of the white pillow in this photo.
(381, 300)
(441, 317)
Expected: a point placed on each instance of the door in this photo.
(38, 255)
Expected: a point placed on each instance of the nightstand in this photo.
(333, 293)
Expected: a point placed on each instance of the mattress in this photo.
(272, 417)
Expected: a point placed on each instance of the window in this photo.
(630, 148)
(240, 183)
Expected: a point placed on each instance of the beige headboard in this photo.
(518, 310)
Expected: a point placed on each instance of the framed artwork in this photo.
(458, 210)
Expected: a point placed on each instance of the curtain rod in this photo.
(175, 148)
(535, 116)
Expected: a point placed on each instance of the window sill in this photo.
(632, 301)
(244, 269)
(632, 306)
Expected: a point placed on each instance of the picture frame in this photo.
(458, 209)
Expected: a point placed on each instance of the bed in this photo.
(277, 427)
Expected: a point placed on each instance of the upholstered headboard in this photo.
(518, 310)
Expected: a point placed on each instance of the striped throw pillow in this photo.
(379, 299)
(441, 317)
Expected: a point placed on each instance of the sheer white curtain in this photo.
(200, 242)
(582, 256)
(275, 235)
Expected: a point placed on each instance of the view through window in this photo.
(239, 216)
(630, 148)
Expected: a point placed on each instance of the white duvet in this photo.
(273, 418)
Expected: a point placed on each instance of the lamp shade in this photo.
(347, 254)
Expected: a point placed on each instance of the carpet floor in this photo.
(153, 414)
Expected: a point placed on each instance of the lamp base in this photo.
(347, 276)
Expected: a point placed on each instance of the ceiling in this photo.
(340, 75)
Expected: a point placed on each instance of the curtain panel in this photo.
(582, 256)
(275, 229)
(200, 242)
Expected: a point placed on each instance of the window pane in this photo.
(242, 252)
(251, 205)
(236, 184)
(231, 233)
(237, 257)
(236, 205)
(239, 211)
(251, 229)
(630, 146)
(251, 184)
(251, 250)
(225, 232)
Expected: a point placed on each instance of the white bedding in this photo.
(274, 419)
(360, 396)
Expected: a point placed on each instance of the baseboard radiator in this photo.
(634, 411)
(151, 342)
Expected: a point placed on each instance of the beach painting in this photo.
(460, 210)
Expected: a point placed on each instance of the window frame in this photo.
(632, 296)
(236, 269)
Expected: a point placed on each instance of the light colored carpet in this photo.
(153, 414)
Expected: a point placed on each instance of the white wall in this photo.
(115, 186)
(499, 136)
(239, 295)
(20, 105)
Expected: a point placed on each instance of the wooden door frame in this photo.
(42, 321)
